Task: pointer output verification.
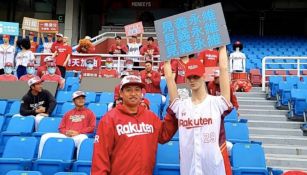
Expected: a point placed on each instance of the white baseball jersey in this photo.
(199, 135)
(7, 54)
(238, 61)
(23, 58)
(134, 49)
(47, 47)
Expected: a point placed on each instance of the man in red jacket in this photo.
(59, 42)
(62, 56)
(42, 70)
(75, 124)
(128, 135)
(209, 57)
(214, 89)
(108, 72)
(151, 78)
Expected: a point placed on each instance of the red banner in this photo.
(78, 63)
(48, 26)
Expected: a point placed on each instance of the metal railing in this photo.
(265, 62)
(118, 63)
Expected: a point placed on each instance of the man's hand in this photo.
(40, 109)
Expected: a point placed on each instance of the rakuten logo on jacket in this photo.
(195, 123)
(132, 130)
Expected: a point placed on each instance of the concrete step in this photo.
(285, 149)
(277, 139)
(250, 94)
(244, 106)
(274, 131)
(274, 124)
(263, 117)
(285, 169)
(262, 111)
(286, 160)
(251, 98)
(256, 89)
(247, 101)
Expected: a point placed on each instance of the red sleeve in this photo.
(124, 48)
(143, 50)
(169, 127)
(156, 50)
(211, 88)
(39, 72)
(58, 72)
(111, 49)
(174, 65)
(103, 147)
(156, 78)
(116, 92)
(69, 50)
(91, 123)
(143, 76)
(53, 47)
(62, 127)
(233, 99)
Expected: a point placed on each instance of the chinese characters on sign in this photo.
(30, 24)
(48, 26)
(192, 31)
(9, 28)
(134, 29)
(79, 62)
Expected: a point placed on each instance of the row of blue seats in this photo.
(57, 155)
(20, 172)
(275, 80)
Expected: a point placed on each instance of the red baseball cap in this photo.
(194, 67)
(51, 64)
(31, 33)
(8, 64)
(131, 80)
(30, 65)
(34, 80)
(6, 36)
(109, 60)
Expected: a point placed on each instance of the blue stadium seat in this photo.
(18, 126)
(168, 159)
(70, 81)
(14, 109)
(84, 158)
(98, 109)
(75, 87)
(16, 172)
(47, 124)
(248, 159)
(70, 74)
(65, 108)
(176, 136)
(2, 107)
(18, 154)
(90, 97)
(106, 97)
(302, 85)
(155, 108)
(70, 173)
(232, 116)
(236, 132)
(154, 98)
(304, 79)
(283, 93)
(273, 84)
(163, 86)
(297, 103)
(56, 156)
(292, 79)
(63, 96)
(2, 120)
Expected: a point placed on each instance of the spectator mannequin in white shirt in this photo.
(237, 58)
(7, 52)
(47, 45)
(134, 48)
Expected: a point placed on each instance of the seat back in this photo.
(292, 79)
(49, 124)
(67, 107)
(106, 97)
(98, 109)
(15, 107)
(58, 148)
(21, 124)
(154, 98)
(302, 85)
(64, 96)
(86, 150)
(232, 116)
(70, 173)
(17, 172)
(2, 107)
(168, 153)
(248, 155)
(20, 147)
(236, 132)
(90, 97)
